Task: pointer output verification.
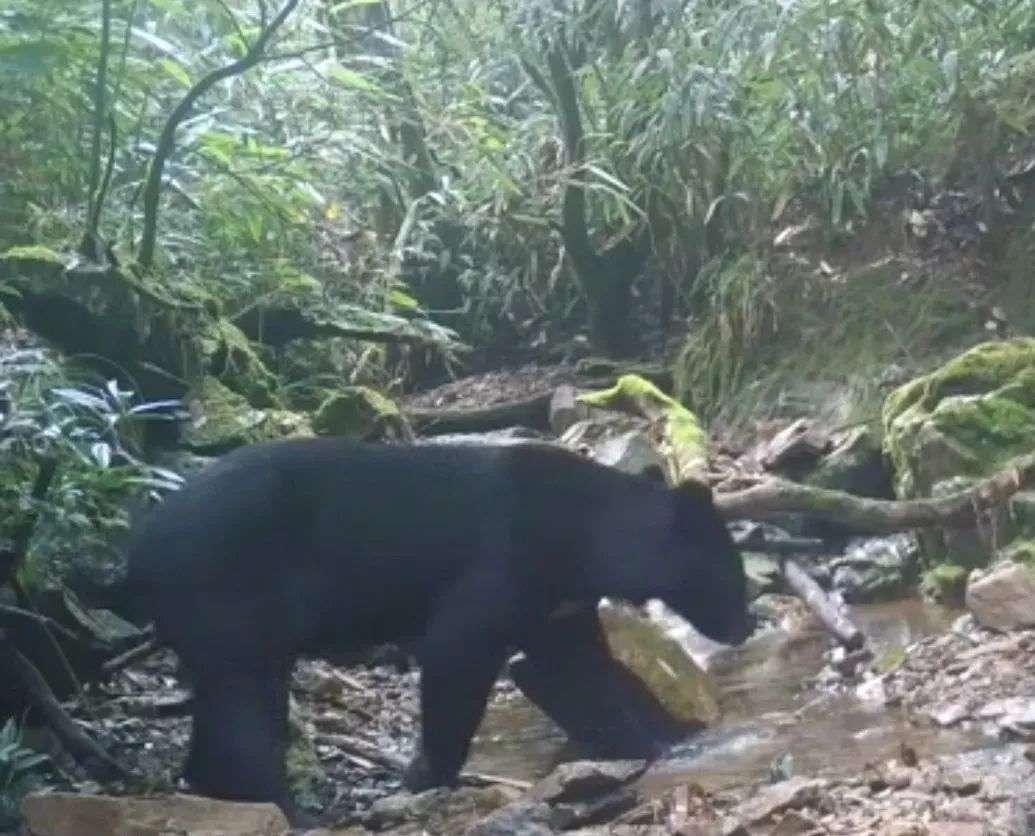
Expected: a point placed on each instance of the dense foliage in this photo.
(388, 153)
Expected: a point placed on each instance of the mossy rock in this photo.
(961, 423)
(360, 412)
(686, 691)
(683, 443)
(855, 465)
(1021, 551)
(160, 335)
(223, 419)
(945, 583)
(224, 352)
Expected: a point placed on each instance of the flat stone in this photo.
(960, 781)
(522, 818)
(792, 794)
(902, 828)
(949, 715)
(956, 828)
(1004, 598)
(71, 814)
(580, 780)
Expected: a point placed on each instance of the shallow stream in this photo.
(768, 711)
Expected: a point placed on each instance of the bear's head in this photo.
(705, 579)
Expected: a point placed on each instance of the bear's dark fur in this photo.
(310, 547)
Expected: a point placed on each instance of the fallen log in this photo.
(774, 497)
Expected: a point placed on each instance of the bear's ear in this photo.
(696, 491)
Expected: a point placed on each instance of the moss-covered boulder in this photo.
(360, 412)
(945, 583)
(159, 335)
(677, 433)
(222, 419)
(962, 422)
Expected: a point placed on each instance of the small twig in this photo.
(354, 746)
(482, 779)
(134, 654)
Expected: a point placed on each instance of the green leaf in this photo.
(401, 299)
(351, 79)
(175, 71)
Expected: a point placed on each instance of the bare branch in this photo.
(167, 139)
(879, 516)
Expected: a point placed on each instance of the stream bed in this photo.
(769, 711)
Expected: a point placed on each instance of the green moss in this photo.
(684, 441)
(36, 253)
(225, 352)
(1021, 551)
(356, 412)
(984, 368)
(891, 659)
(967, 418)
(945, 583)
(225, 420)
(991, 428)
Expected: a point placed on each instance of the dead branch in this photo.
(533, 412)
(824, 607)
(134, 654)
(774, 497)
(43, 621)
(22, 674)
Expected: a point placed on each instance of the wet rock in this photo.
(960, 782)
(1020, 819)
(945, 583)
(660, 662)
(876, 569)
(631, 452)
(949, 715)
(566, 409)
(599, 810)
(1004, 597)
(579, 780)
(1019, 722)
(438, 810)
(763, 574)
(69, 814)
(521, 818)
(902, 828)
(956, 828)
(792, 794)
(855, 465)
(794, 823)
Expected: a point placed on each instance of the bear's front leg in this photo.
(239, 738)
(460, 659)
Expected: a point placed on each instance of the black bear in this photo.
(463, 553)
